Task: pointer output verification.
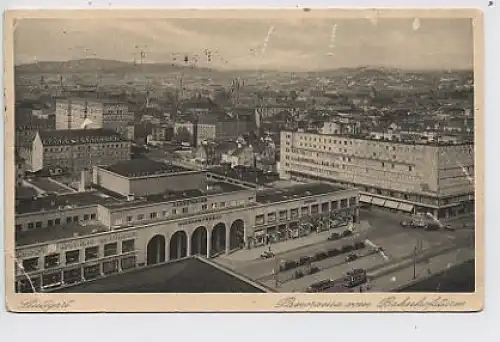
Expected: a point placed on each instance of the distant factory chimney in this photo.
(83, 177)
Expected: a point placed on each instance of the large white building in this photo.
(409, 177)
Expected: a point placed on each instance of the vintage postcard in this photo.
(244, 160)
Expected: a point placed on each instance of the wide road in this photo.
(385, 231)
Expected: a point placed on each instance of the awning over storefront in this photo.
(365, 199)
(391, 204)
(405, 207)
(378, 201)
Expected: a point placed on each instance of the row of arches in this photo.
(198, 242)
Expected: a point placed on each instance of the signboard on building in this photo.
(78, 243)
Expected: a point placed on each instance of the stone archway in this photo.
(199, 241)
(218, 242)
(237, 234)
(155, 250)
(178, 245)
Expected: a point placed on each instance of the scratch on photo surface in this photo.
(266, 40)
(333, 36)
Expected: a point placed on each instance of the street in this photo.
(382, 229)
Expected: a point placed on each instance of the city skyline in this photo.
(238, 44)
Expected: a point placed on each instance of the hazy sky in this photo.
(295, 44)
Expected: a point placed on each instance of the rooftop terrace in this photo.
(143, 167)
(213, 188)
(187, 275)
(296, 191)
(64, 231)
(58, 202)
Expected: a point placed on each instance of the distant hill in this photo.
(97, 65)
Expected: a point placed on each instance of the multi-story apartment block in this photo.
(79, 113)
(434, 178)
(74, 150)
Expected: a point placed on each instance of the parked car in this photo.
(320, 286)
(405, 223)
(304, 260)
(313, 269)
(346, 233)
(334, 236)
(320, 256)
(351, 257)
(333, 252)
(286, 265)
(359, 245)
(449, 228)
(298, 274)
(267, 255)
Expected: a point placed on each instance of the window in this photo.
(204, 207)
(325, 207)
(19, 228)
(343, 203)
(75, 218)
(185, 210)
(174, 211)
(110, 249)
(222, 204)
(140, 217)
(68, 219)
(352, 201)
(294, 213)
(334, 205)
(51, 260)
(38, 224)
(259, 219)
(110, 267)
(410, 168)
(129, 218)
(283, 215)
(30, 265)
(383, 164)
(164, 213)
(91, 253)
(86, 217)
(72, 276)
(271, 217)
(128, 262)
(92, 216)
(57, 221)
(314, 209)
(91, 272)
(31, 225)
(50, 223)
(72, 256)
(304, 211)
(52, 279)
(128, 246)
(393, 166)
(152, 215)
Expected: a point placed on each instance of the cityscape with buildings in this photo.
(189, 169)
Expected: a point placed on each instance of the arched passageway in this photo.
(199, 241)
(236, 234)
(178, 245)
(218, 242)
(156, 250)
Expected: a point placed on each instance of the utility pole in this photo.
(416, 251)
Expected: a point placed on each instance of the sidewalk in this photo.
(290, 245)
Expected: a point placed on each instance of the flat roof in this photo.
(188, 275)
(143, 167)
(246, 174)
(55, 202)
(295, 191)
(213, 188)
(64, 231)
(366, 137)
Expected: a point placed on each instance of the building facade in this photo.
(74, 150)
(77, 113)
(78, 237)
(435, 178)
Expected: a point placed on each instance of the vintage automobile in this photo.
(267, 255)
(351, 257)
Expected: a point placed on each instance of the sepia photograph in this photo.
(324, 158)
